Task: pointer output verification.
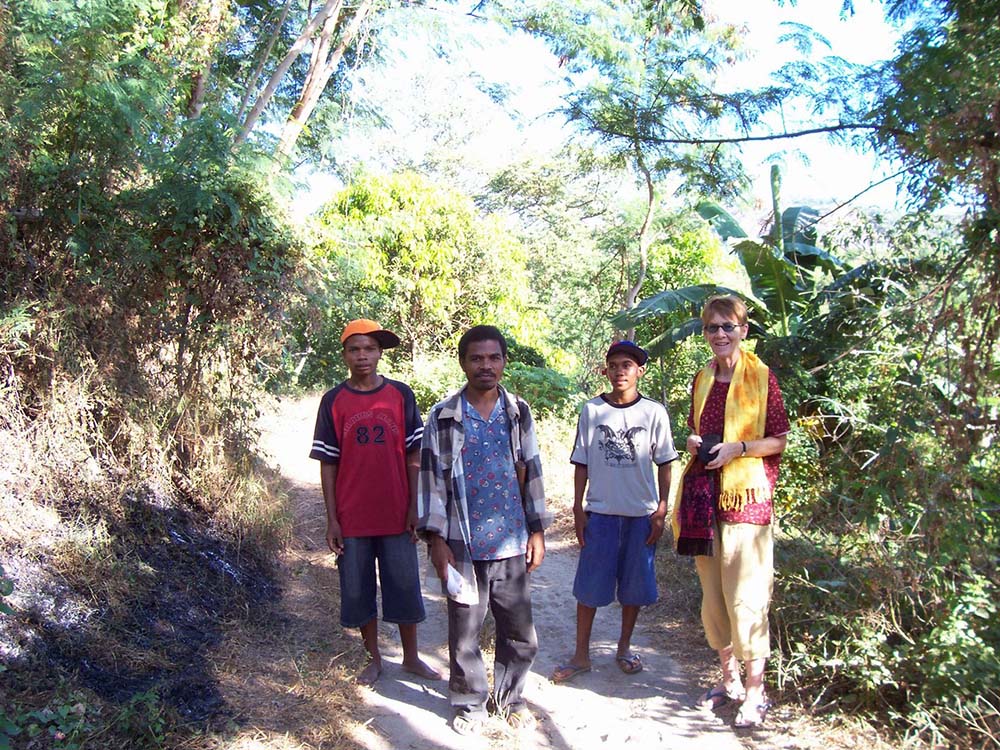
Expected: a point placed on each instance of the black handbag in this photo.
(707, 443)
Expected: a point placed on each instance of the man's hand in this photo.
(334, 537)
(656, 523)
(536, 550)
(411, 521)
(579, 524)
(441, 557)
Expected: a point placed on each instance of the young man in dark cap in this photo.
(367, 440)
(618, 510)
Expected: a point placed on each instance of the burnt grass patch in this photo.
(179, 584)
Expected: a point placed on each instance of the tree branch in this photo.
(330, 6)
(251, 84)
(870, 187)
(839, 127)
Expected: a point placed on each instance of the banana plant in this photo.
(681, 306)
(786, 268)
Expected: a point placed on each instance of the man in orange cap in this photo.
(367, 440)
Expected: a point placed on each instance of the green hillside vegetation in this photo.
(157, 290)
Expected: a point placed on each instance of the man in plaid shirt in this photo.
(481, 507)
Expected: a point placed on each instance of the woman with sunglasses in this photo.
(723, 513)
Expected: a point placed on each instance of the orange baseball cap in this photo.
(386, 339)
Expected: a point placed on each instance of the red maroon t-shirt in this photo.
(368, 434)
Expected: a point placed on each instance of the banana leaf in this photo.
(721, 220)
(810, 256)
(876, 272)
(688, 298)
(772, 277)
(667, 340)
(798, 224)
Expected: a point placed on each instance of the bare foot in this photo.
(420, 669)
(370, 673)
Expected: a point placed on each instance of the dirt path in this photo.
(601, 709)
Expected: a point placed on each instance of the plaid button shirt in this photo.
(442, 507)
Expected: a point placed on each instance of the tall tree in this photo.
(133, 219)
(204, 21)
(937, 107)
(298, 48)
(645, 74)
(328, 51)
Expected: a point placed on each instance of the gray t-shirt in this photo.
(619, 445)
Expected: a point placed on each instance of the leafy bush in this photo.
(526, 355)
(546, 391)
(888, 588)
(431, 376)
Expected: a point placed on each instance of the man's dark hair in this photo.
(481, 333)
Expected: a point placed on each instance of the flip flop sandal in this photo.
(717, 697)
(468, 723)
(566, 672)
(629, 664)
(752, 716)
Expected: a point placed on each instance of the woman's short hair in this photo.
(725, 305)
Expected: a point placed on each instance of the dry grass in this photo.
(288, 677)
(289, 683)
(56, 468)
(100, 547)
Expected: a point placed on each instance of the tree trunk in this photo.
(207, 35)
(321, 68)
(779, 239)
(330, 7)
(644, 239)
(251, 83)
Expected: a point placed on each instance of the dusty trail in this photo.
(600, 709)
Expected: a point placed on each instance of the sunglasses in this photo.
(727, 327)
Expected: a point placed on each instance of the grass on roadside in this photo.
(126, 551)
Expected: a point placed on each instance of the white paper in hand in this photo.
(454, 582)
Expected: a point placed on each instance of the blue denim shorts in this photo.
(615, 556)
(398, 575)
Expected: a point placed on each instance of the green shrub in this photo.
(546, 391)
(431, 376)
(887, 592)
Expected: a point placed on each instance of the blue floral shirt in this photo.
(442, 505)
(496, 516)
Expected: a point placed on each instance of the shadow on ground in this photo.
(177, 586)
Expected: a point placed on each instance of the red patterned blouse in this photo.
(776, 424)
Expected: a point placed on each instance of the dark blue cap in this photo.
(630, 348)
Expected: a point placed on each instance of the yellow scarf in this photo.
(743, 479)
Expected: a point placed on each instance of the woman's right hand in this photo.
(693, 444)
